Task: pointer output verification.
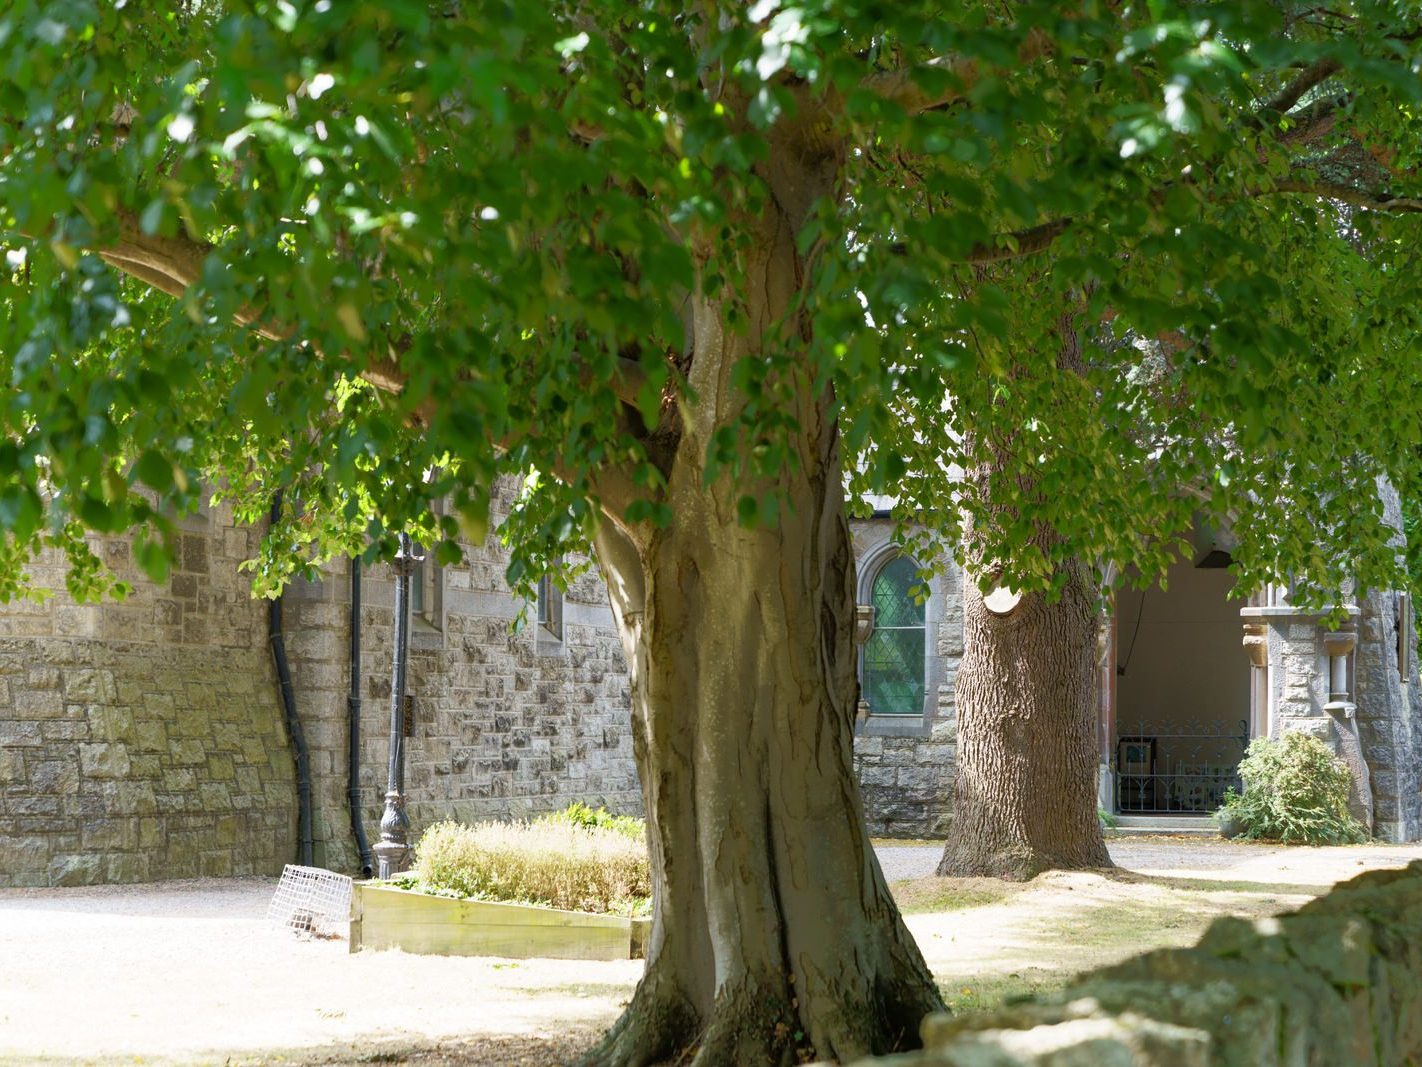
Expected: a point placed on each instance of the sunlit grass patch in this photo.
(935, 894)
(987, 992)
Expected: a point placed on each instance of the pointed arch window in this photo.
(894, 674)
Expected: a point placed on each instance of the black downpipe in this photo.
(367, 863)
(293, 722)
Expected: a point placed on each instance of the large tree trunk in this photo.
(1024, 800)
(773, 933)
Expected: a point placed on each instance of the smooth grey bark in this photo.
(773, 932)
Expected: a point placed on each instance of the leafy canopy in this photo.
(377, 252)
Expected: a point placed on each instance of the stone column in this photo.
(1256, 647)
(1339, 646)
(863, 627)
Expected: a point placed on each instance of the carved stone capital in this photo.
(1256, 643)
(863, 622)
(1340, 642)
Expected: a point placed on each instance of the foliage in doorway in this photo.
(557, 864)
(1295, 791)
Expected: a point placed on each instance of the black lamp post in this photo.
(393, 851)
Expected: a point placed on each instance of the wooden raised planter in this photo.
(386, 917)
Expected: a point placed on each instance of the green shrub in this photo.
(1295, 791)
(589, 818)
(555, 863)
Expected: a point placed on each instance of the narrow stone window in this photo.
(1406, 639)
(419, 583)
(550, 610)
(426, 603)
(895, 654)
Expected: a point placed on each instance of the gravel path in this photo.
(191, 973)
(1198, 857)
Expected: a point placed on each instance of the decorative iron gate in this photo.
(1177, 767)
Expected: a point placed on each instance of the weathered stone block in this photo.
(109, 835)
(12, 765)
(127, 868)
(187, 753)
(109, 723)
(135, 798)
(1338, 982)
(54, 777)
(39, 704)
(41, 677)
(88, 685)
(918, 778)
(150, 833)
(103, 760)
(34, 805)
(73, 869)
(878, 776)
(151, 736)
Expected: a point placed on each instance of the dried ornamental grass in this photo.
(560, 865)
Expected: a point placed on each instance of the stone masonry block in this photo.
(15, 732)
(90, 685)
(103, 760)
(109, 723)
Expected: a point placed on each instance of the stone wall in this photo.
(1338, 982)
(505, 725)
(906, 763)
(1386, 723)
(1381, 740)
(143, 740)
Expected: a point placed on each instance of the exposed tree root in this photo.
(658, 1025)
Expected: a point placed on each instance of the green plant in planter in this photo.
(1295, 791)
(589, 818)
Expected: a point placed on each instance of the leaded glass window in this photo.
(894, 655)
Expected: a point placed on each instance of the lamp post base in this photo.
(392, 853)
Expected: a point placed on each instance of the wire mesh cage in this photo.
(311, 901)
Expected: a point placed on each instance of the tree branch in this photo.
(900, 87)
(168, 263)
(1313, 75)
(958, 74)
(1007, 246)
(628, 380)
(173, 264)
(1372, 199)
(1315, 120)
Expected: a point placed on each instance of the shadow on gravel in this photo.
(1221, 885)
(499, 1050)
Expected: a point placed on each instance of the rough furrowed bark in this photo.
(1025, 796)
(774, 937)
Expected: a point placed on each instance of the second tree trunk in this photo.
(1025, 798)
